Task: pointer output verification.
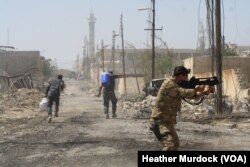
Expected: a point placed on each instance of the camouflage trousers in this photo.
(170, 141)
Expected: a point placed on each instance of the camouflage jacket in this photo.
(168, 101)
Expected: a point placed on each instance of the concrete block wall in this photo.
(21, 62)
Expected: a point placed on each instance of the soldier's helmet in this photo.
(180, 70)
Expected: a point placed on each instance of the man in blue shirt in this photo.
(109, 95)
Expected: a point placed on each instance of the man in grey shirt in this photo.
(53, 94)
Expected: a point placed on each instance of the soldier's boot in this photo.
(114, 115)
(50, 115)
(107, 116)
(56, 111)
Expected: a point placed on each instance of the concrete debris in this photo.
(20, 100)
(206, 108)
(137, 103)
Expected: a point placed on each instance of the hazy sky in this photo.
(57, 27)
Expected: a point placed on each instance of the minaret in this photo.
(92, 21)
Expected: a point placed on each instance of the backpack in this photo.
(105, 79)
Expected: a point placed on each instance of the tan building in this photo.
(236, 74)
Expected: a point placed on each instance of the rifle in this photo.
(190, 84)
(193, 82)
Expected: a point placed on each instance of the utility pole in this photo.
(98, 69)
(113, 50)
(218, 55)
(153, 39)
(77, 64)
(102, 54)
(135, 70)
(211, 33)
(213, 48)
(123, 60)
(83, 58)
(102, 57)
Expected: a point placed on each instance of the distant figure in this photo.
(109, 93)
(168, 103)
(53, 94)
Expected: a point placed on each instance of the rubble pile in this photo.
(135, 103)
(204, 109)
(208, 107)
(21, 99)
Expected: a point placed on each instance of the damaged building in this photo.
(19, 69)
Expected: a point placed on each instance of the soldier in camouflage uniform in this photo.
(168, 103)
(53, 94)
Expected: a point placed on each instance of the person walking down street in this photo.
(53, 94)
(168, 103)
(108, 91)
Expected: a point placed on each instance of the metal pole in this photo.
(213, 47)
(123, 60)
(138, 87)
(218, 55)
(113, 52)
(153, 41)
(102, 57)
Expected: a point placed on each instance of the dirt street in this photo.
(81, 136)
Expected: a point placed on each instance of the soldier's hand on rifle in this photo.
(209, 89)
(199, 89)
